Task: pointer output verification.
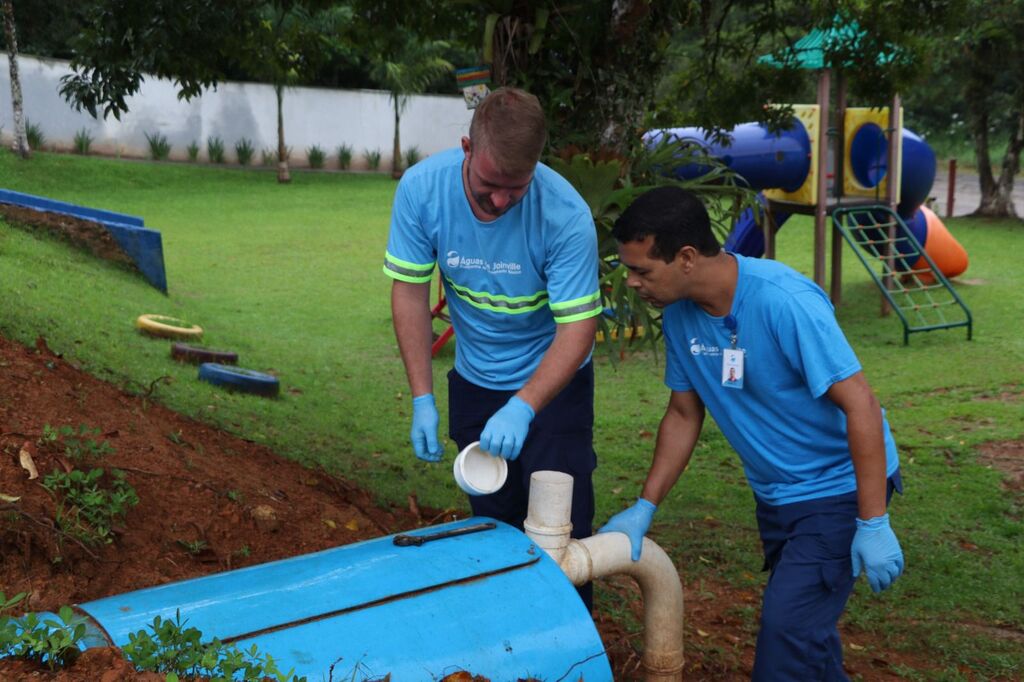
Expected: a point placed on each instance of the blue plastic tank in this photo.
(489, 602)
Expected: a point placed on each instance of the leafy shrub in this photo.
(159, 147)
(83, 141)
(316, 157)
(244, 151)
(53, 642)
(193, 151)
(344, 156)
(412, 156)
(372, 158)
(179, 652)
(87, 509)
(34, 135)
(215, 149)
(269, 156)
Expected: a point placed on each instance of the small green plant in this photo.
(269, 156)
(179, 652)
(344, 157)
(372, 158)
(9, 629)
(83, 141)
(234, 496)
(412, 156)
(243, 551)
(316, 156)
(87, 508)
(79, 445)
(34, 135)
(193, 547)
(244, 151)
(49, 641)
(193, 151)
(159, 147)
(215, 149)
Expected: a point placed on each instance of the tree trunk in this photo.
(1011, 165)
(283, 175)
(20, 144)
(396, 152)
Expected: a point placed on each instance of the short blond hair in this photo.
(510, 125)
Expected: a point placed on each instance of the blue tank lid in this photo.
(489, 602)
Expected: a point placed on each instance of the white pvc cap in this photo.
(478, 472)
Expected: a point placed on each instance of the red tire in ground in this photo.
(182, 352)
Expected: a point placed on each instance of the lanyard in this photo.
(730, 324)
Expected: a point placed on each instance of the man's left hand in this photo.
(876, 550)
(505, 432)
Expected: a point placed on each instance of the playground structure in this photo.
(858, 169)
(142, 246)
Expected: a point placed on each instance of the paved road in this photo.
(968, 192)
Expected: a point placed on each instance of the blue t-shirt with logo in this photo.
(791, 437)
(508, 281)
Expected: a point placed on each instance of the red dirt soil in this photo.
(236, 504)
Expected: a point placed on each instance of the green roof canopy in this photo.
(809, 52)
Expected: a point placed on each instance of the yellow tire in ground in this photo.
(167, 327)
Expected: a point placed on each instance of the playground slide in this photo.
(782, 161)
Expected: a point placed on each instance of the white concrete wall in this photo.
(362, 119)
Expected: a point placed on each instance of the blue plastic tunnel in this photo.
(490, 602)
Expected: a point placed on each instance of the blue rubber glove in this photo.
(505, 432)
(424, 428)
(634, 522)
(876, 550)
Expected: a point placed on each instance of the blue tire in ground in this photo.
(239, 379)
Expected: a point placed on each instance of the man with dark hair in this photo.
(814, 442)
(517, 250)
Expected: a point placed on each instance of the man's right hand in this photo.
(634, 522)
(424, 428)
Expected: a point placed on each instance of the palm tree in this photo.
(408, 70)
(20, 145)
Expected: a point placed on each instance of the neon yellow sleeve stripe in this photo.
(407, 272)
(577, 309)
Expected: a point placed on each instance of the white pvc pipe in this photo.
(548, 525)
(609, 554)
(549, 512)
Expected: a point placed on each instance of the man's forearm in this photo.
(572, 343)
(410, 312)
(677, 436)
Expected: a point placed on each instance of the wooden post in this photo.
(951, 188)
(891, 187)
(820, 209)
(836, 284)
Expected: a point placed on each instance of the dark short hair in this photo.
(675, 217)
(510, 125)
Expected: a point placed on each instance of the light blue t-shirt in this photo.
(507, 281)
(791, 437)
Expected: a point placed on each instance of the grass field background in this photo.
(290, 278)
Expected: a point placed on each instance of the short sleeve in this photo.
(571, 272)
(411, 253)
(812, 342)
(675, 373)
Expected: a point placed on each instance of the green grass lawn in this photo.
(290, 278)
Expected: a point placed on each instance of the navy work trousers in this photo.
(807, 550)
(561, 438)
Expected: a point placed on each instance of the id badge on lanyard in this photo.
(732, 358)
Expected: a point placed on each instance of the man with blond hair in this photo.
(517, 251)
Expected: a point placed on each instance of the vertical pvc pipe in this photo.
(549, 511)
